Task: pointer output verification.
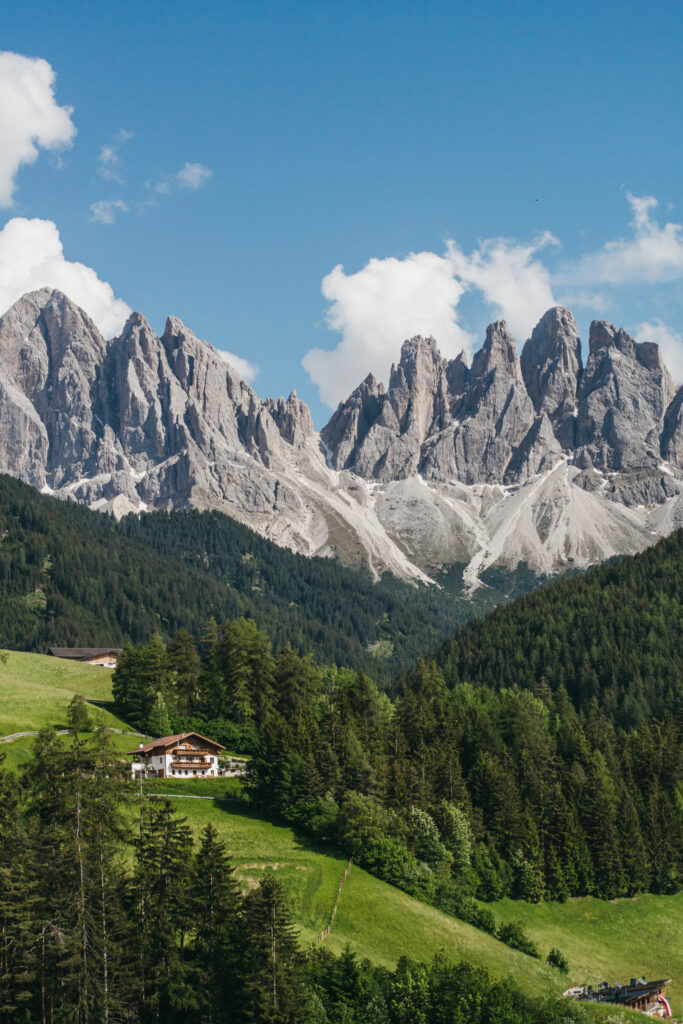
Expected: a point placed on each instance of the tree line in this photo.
(111, 910)
(73, 577)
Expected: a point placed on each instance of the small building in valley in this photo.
(183, 756)
(649, 997)
(106, 657)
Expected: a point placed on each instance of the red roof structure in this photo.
(164, 742)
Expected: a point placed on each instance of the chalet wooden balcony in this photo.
(190, 764)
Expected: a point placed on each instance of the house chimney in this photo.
(140, 746)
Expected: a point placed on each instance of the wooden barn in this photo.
(106, 657)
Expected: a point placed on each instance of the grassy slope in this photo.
(35, 690)
(380, 922)
(610, 940)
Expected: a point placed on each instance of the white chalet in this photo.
(185, 755)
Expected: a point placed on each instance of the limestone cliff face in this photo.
(551, 367)
(623, 396)
(537, 460)
(379, 434)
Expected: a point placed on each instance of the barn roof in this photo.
(168, 741)
(81, 653)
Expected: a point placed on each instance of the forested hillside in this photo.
(72, 577)
(520, 785)
(614, 634)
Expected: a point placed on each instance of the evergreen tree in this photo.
(186, 666)
(158, 721)
(219, 944)
(161, 888)
(274, 990)
(78, 714)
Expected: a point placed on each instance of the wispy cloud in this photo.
(110, 160)
(104, 211)
(190, 176)
(30, 117)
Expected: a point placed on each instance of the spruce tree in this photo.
(218, 945)
(274, 989)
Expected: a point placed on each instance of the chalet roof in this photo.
(630, 992)
(81, 653)
(168, 741)
(641, 987)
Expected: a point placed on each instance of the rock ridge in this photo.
(536, 458)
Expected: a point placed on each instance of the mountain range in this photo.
(540, 459)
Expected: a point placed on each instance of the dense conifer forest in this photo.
(613, 635)
(523, 784)
(73, 577)
(112, 911)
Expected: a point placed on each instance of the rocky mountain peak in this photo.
(293, 418)
(551, 367)
(499, 352)
(623, 394)
(457, 375)
(488, 465)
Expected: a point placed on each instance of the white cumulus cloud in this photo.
(391, 299)
(653, 254)
(104, 211)
(31, 257)
(245, 369)
(30, 117)
(376, 309)
(517, 286)
(669, 342)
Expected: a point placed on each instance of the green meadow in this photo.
(380, 922)
(610, 940)
(35, 690)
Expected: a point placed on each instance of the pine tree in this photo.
(274, 990)
(158, 721)
(211, 683)
(160, 893)
(186, 665)
(218, 945)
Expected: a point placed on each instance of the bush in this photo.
(78, 714)
(557, 959)
(514, 936)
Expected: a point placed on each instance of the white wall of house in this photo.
(166, 763)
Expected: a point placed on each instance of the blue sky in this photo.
(255, 147)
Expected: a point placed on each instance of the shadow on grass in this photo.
(302, 840)
(104, 705)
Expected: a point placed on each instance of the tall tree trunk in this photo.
(105, 946)
(274, 956)
(85, 995)
(42, 976)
